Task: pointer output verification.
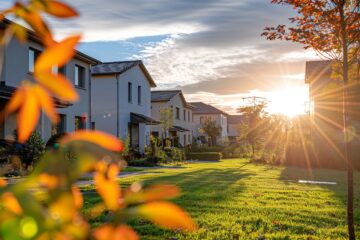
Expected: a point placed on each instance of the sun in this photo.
(290, 102)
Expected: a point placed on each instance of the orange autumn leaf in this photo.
(58, 85)
(15, 102)
(9, 201)
(153, 193)
(107, 186)
(28, 115)
(3, 183)
(104, 140)
(59, 9)
(57, 211)
(19, 32)
(78, 198)
(46, 103)
(108, 232)
(56, 55)
(167, 215)
(48, 181)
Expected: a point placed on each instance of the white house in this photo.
(18, 65)
(121, 101)
(234, 122)
(203, 111)
(182, 130)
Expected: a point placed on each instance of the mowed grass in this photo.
(234, 199)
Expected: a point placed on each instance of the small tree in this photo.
(166, 120)
(211, 129)
(254, 127)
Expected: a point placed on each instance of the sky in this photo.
(211, 49)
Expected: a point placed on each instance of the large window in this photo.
(60, 127)
(80, 123)
(33, 55)
(184, 115)
(130, 92)
(139, 95)
(177, 113)
(79, 76)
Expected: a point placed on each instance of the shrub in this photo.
(29, 152)
(210, 156)
(144, 162)
(175, 155)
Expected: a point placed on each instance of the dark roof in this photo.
(32, 36)
(178, 129)
(235, 119)
(202, 108)
(110, 68)
(139, 118)
(315, 70)
(163, 96)
(167, 95)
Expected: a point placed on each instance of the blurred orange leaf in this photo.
(46, 103)
(59, 9)
(48, 181)
(108, 232)
(107, 186)
(153, 193)
(19, 32)
(57, 210)
(10, 202)
(56, 55)
(28, 115)
(167, 215)
(3, 183)
(104, 140)
(15, 101)
(78, 198)
(58, 85)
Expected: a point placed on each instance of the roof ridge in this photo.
(126, 61)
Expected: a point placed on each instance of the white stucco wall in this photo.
(185, 138)
(106, 103)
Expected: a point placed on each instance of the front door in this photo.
(134, 135)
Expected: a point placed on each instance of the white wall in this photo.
(175, 102)
(105, 107)
(220, 119)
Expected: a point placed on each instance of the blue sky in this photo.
(211, 49)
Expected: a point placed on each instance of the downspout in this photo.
(117, 105)
(90, 98)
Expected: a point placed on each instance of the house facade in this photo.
(19, 60)
(121, 101)
(326, 95)
(181, 132)
(234, 122)
(203, 111)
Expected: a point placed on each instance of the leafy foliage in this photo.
(211, 129)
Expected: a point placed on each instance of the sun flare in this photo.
(289, 101)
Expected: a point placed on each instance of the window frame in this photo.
(139, 91)
(34, 58)
(177, 113)
(80, 76)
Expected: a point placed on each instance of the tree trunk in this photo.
(347, 149)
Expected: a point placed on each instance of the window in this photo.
(60, 127)
(189, 116)
(79, 76)
(80, 123)
(130, 92)
(93, 126)
(184, 115)
(139, 95)
(62, 70)
(33, 55)
(177, 113)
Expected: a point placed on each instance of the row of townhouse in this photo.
(115, 97)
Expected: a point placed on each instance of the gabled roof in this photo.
(109, 68)
(202, 108)
(167, 95)
(235, 119)
(33, 37)
(317, 70)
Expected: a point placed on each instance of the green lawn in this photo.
(234, 199)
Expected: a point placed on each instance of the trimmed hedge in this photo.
(209, 156)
